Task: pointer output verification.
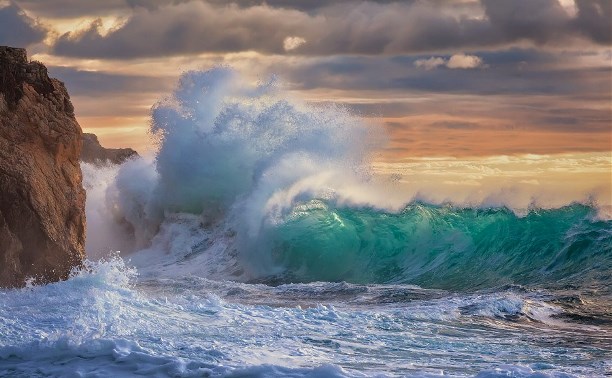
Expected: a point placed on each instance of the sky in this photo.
(459, 78)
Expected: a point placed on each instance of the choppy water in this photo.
(107, 322)
(257, 243)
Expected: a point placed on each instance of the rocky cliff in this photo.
(94, 153)
(42, 201)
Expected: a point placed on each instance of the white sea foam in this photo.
(237, 159)
(105, 321)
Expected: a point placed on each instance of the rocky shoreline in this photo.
(42, 200)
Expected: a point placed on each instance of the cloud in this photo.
(292, 43)
(457, 61)
(66, 9)
(99, 84)
(594, 19)
(186, 28)
(112, 96)
(17, 28)
(505, 74)
(540, 21)
(430, 63)
(463, 61)
(331, 28)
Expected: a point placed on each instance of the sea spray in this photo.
(249, 184)
(229, 151)
(222, 140)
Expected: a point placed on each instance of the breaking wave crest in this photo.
(438, 246)
(280, 191)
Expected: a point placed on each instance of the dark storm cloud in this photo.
(365, 27)
(594, 19)
(531, 85)
(307, 5)
(493, 82)
(78, 8)
(17, 29)
(509, 72)
(545, 20)
(69, 8)
(65, 9)
(186, 28)
(95, 84)
(537, 20)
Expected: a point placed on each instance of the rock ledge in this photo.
(94, 153)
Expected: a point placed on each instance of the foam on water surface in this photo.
(106, 321)
(260, 241)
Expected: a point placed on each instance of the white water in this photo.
(234, 159)
(106, 322)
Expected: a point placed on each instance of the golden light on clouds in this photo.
(545, 89)
(104, 24)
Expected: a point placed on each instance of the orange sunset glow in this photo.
(523, 90)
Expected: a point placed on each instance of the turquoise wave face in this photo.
(441, 247)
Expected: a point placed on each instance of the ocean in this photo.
(261, 241)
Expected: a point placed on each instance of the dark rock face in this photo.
(42, 200)
(94, 153)
(15, 69)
